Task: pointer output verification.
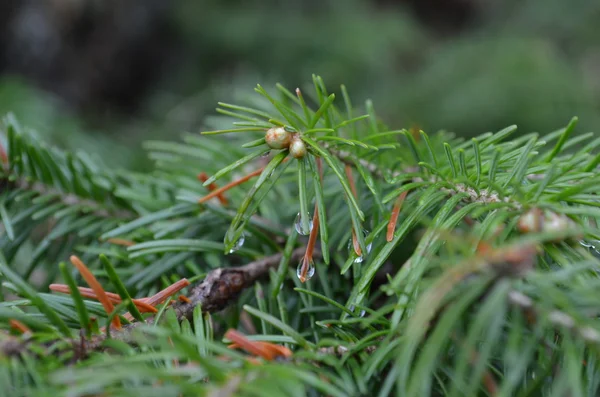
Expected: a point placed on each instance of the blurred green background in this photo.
(103, 75)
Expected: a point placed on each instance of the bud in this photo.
(535, 221)
(278, 138)
(557, 223)
(531, 221)
(297, 148)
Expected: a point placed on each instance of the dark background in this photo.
(103, 75)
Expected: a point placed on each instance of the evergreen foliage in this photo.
(442, 266)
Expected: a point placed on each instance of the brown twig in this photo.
(220, 287)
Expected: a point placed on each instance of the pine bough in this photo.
(355, 260)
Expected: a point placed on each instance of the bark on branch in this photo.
(221, 287)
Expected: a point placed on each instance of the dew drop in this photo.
(592, 245)
(298, 224)
(305, 270)
(361, 314)
(585, 244)
(359, 259)
(238, 244)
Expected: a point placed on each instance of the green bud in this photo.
(278, 138)
(297, 148)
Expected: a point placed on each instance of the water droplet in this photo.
(298, 224)
(586, 244)
(360, 259)
(238, 244)
(593, 246)
(305, 270)
(361, 314)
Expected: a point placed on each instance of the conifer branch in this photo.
(69, 199)
(484, 196)
(376, 170)
(557, 318)
(436, 321)
(219, 289)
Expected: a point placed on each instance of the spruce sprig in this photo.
(478, 275)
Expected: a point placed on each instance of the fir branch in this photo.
(557, 318)
(484, 196)
(342, 350)
(220, 288)
(223, 285)
(71, 199)
(440, 327)
(350, 159)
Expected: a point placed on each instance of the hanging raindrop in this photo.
(238, 244)
(360, 259)
(305, 270)
(299, 227)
